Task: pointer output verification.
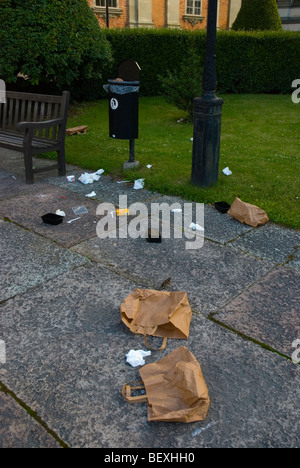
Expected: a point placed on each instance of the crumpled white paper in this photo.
(60, 213)
(196, 227)
(227, 171)
(139, 184)
(87, 178)
(136, 358)
(91, 195)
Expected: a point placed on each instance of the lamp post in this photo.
(207, 112)
(107, 14)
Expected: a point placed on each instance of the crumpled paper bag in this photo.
(247, 213)
(175, 388)
(157, 313)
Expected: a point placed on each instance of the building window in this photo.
(111, 3)
(193, 7)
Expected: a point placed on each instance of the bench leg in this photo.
(28, 167)
(61, 161)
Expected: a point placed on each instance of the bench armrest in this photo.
(22, 126)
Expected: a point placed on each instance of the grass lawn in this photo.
(259, 143)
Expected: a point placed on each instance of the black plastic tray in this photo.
(52, 218)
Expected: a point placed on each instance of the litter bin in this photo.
(124, 104)
(123, 109)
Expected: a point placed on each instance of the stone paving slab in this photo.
(28, 260)
(12, 186)
(66, 359)
(271, 242)
(211, 275)
(27, 210)
(12, 162)
(19, 430)
(269, 311)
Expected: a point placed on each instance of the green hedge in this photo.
(57, 45)
(247, 62)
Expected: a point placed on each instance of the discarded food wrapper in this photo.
(136, 358)
(227, 171)
(91, 195)
(175, 388)
(79, 210)
(139, 184)
(196, 227)
(122, 212)
(87, 178)
(247, 213)
(164, 314)
(71, 178)
(60, 213)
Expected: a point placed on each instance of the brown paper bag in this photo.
(157, 313)
(175, 388)
(247, 213)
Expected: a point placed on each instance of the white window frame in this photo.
(192, 7)
(102, 3)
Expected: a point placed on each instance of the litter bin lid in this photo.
(129, 70)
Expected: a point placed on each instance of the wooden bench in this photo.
(34, 124)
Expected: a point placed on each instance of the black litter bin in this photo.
(123, 109)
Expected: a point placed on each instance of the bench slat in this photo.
(28, 107)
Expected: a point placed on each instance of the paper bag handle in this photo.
(164, 343)
(126, 393)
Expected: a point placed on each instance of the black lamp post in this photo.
(207, 112)
(107, 14)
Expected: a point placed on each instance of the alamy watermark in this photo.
(296, 93)
(2, 92)
(176, 220)
(296, 353)
(2, 352)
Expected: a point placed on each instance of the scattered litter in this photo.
(80, 130)
(13, 177)
(201, 429)
(192, 139)
(196, 227)
(180, 120)
(139, 184)
(227, 171)
(60, 213)
(154, 236)
(176, 210)
(79, 210)
(149, 166)
(222, 206)
(247, 213)
(71, 220)
(71, 178)
(90, 195)
(136, 358)
(52, 218)
(87, 178)
(123, 181)
(42, 196)
(122, 212)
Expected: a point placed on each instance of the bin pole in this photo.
(131, 150)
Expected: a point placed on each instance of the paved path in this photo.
(63, 345)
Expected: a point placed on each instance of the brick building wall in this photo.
(161, 13)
